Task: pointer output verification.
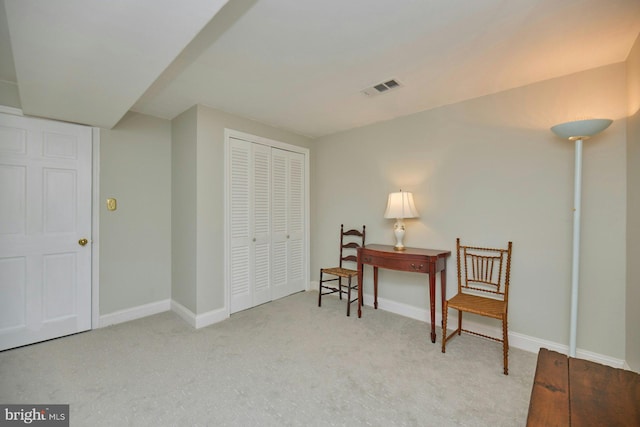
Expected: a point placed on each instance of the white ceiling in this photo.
(297, 64)
(89, 61)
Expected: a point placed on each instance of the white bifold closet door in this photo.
(266, 220)
(287, 223)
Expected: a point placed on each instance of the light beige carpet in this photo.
(286, 363)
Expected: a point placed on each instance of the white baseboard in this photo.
(134, 313)
(199, 320)
(598, 358)
(516, 340)
(11, 110)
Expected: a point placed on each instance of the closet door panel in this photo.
(279, 214)
(288, 219)
(296, 225)
(240, 229)
(261, 214)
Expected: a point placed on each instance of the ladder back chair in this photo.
(483, 289)
(350, 241)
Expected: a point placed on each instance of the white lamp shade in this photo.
(581, 129)
(400, 205)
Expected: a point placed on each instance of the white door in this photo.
(249, 213)
(45, 212)
(288, 201)
(261, 215)
(239, 229)
(266, 220)
(296, 221)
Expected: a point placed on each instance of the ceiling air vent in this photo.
(382, 87)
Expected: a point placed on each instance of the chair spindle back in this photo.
(484, 270)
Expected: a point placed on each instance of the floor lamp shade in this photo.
(400, 205)
(581, 129)
(577, 131)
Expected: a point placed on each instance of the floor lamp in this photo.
(577, 131)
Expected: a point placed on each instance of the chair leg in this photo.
(349, 298)
(445, 314)
(340, 286)
(459, 322)
(320, 290)
(505, 345)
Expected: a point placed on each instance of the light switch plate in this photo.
(112, 204)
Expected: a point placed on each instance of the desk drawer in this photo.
(393, 263)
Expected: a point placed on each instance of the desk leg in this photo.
(443, 298)
(432, 301)
(360, 272)
(375, 287)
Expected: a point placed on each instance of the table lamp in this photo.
(399, 206)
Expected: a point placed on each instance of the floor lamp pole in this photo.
(577, 131)
(575, 265)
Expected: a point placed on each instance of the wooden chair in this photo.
(483, 289)
(350, 241)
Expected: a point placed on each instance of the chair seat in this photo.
(478, 305)
(341, 272)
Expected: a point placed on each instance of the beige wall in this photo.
(207, 163)
(9, 94)
(633, 209)
(183, 209)
(135, 240)
(489, 170)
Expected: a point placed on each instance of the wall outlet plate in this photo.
(112, 204)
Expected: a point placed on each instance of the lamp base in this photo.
(398, 231)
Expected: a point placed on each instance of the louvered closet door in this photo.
(260, 215)
(266, 203)
(249, 224)
(239, 257)
(287, 219)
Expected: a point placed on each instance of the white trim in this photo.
(95, 229)
(226, 221)
(211, 317)
(182, 311)
(599, 358)
(307, 218)
(231, 133)
(199, 320)
(10, 110)
(134, 313)
(401, 309)
(516, 340)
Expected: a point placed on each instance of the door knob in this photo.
(83, 242)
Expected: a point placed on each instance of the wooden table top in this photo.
(408, 251)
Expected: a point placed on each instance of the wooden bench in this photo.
(576, 392)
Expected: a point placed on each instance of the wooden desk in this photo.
(576, 392)
(428, 261)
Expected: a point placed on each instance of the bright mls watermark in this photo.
(35, 415)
